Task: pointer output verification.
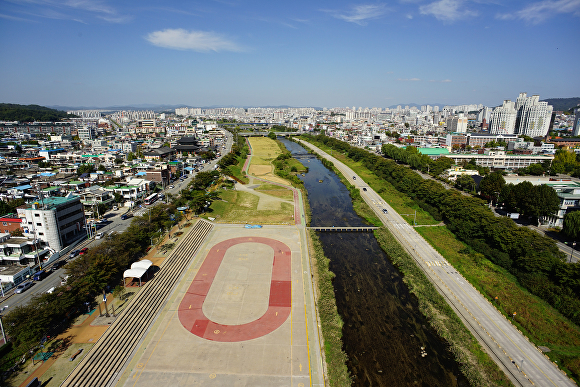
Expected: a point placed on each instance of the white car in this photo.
(22, 287)
(99, 235)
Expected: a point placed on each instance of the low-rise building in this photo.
(56, 220)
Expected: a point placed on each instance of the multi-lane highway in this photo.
(521, 360)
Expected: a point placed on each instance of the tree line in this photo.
(89, 274)
(534, 260)
(30, 113)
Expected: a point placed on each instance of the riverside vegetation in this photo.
(476, 365)
(534, 259)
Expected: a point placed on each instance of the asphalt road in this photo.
(508, 347)
(112, 223)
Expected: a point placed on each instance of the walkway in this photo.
(521, 360)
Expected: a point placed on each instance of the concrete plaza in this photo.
(242, 314)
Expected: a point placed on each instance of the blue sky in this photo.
(298, 53)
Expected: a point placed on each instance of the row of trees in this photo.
(533, 259)
(532, 201)
(89, 274)
(197, 196)
(30, 113)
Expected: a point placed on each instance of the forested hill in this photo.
(563, 104)
(30, 113)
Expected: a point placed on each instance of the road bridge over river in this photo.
(521, 360)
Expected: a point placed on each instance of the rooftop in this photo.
(51, 202)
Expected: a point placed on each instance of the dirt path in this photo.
(267, 202)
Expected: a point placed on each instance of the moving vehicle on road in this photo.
(22, 287)
(126, 216)
(83, 251)
(385, 211)
(57, 265)
(74, 253)
(39, 275)
(99, 235)
(151, 199)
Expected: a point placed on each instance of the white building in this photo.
(533, 116)
(576, 128)
(57, 221)
(457, 124)
(87, 133)
(503, 118)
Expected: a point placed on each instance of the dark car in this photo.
(57, 265)
(385, 211)
(126, 216)
(364, 189)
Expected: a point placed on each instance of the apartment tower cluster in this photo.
(526, 116)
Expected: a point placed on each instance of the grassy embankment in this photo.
(540, 322)
(476, 365)
(236, 205)
(330, 321)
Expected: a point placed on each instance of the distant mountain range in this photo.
(563, 104)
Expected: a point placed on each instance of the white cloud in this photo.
(447, 10)
(408, 79)
(538, 12)
(360, 14)
(60, 9)
(201, 41)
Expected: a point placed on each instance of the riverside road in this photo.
(521, 360)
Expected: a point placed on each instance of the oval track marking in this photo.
(279, 305)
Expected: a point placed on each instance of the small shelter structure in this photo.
(138, 270)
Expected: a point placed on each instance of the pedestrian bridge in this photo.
(343, 229)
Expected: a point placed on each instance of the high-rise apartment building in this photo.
(457, 124)
(577, 121)
(503, 118)
(533, 117)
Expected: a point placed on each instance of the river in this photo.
(384, 333)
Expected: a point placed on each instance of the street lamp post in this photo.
(571, 251)
(2, 328)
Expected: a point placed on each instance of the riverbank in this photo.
(476, 365)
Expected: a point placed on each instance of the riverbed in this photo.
(386, 338)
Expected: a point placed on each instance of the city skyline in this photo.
(324, 54)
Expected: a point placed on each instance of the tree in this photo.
(572, 224)
(465, 182)
(131, 156)
(491, 185)
(17, 233)
(272, 135)
(85, 168)
(118, 197)
(545, 201)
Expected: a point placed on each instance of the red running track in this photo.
(194, 320)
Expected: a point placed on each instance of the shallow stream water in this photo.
(384, 331)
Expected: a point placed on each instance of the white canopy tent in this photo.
(144, 263)
(137, 270)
